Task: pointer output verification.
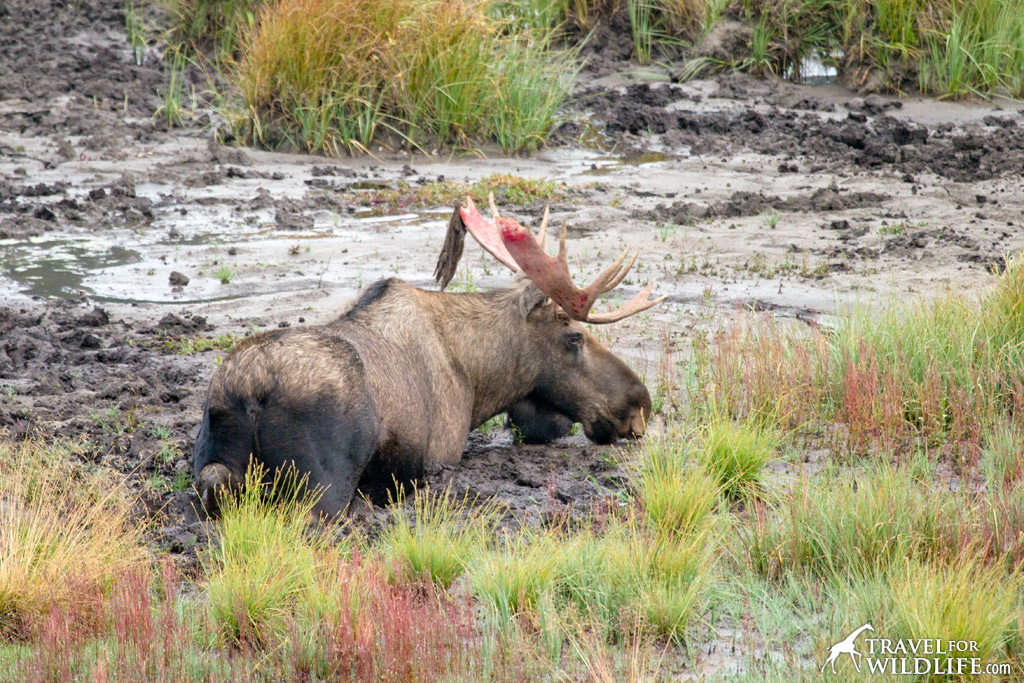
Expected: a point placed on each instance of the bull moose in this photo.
(403, 375)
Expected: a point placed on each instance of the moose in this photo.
(404, 374)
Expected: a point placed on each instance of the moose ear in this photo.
(451, 252)
(530, 296)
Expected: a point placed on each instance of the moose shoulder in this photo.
(403, 376)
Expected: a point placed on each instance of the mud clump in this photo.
(869, 137)
(744, 203)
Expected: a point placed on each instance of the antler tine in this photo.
(563, 256)
(542, 234)
(494, 209)
(611, 276)
(635, 305)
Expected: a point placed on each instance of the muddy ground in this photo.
(739, 192)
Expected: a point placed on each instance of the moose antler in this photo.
(516, 247)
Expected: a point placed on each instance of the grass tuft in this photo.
(435, 540)
(735, 455)
(676, 495)
(266, 564)
(65, 533)
(507, 189)
(334, 76)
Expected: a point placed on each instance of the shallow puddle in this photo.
(59, 267)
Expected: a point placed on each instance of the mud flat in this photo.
(739, 193)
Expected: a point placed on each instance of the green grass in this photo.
(334, 77)
(197, 344)
(172, 111)
(224, 274)
(644, 573)
(135, 29)
(63, 532)
(677, 495)
(1002, 457)
(620, 580)
(507, 189)
(837, 524)
(953, 48)
(964, 600)
(512, 578)
(641, 22)
(735, 455)
(436, 539)
(266, 567)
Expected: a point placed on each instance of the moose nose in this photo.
(637, 422)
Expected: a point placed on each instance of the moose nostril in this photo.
(637, 423)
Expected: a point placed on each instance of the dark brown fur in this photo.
(400, 379)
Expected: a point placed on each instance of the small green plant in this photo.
(266, 566)
(168, 454)
(135, 29)
(436, 539)
(771, 219)
(496, 422)
(666, 230)
(224, 274)
(676, 494)
(156, 482)
(190, 345)
(113, 420)
(464, 281)
(642, 23)
(181, 481)
(735, 455)
(894, 229)
(172, 111)
(159, 431)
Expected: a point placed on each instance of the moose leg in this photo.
(328, 442)
(390, 471)
(536, 421)
(222, 451)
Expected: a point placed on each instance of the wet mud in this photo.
(121, 240)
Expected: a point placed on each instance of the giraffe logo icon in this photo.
(846, 646)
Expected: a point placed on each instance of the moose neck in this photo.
(487, 338)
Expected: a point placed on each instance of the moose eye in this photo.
(574, 340)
